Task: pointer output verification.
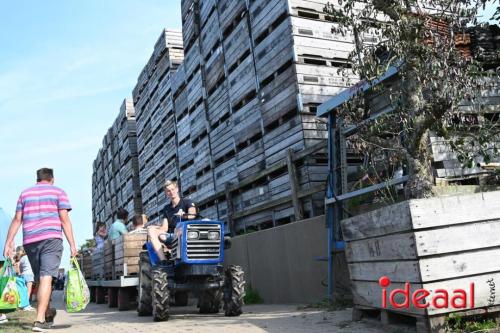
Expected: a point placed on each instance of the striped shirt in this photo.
(40, 205)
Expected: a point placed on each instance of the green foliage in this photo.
(252, 296)
(456, 324)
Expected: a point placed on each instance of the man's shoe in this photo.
(3, 318)
(38, 326)
(50, 315)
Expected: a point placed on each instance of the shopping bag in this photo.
(9, 295)
(77, 294)
(22, 289)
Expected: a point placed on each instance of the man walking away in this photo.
(119, 227)
(43, 211)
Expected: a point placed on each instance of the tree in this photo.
(421, 40)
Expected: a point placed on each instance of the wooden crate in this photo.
(279, 140)
(109, 258)
(195, 90)
(229, 10)
(183, 130)
(207, 7)
(274, 51)
(197, 123)
(326, 48)
(214, 68)
(204, 186)
(127, 250)
(192, 59)
(237, 43)
(250, 159)
(439, 243)
(252, 197)
(266, 13)
(178, 79)
(185, 153)
(188, 29)
(247, 122)
(224, 173)
(221, 140)
(242, 79)
(218, 103)
(98, 264)
(149, 205)
(85, 261)
(209, 211)
(188, 179)
(278, 97)
(202, 154)
(210, 34)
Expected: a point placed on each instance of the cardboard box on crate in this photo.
(127, 250)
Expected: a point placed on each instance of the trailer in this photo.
(112, 272)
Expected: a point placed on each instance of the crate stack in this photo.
(264, 66)
(156, 130)
(115, 178)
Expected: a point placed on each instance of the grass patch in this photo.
(18, 320)
(252, 296)
(456, 324)
(328, 305)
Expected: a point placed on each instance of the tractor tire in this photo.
(144, 299)
(181, 299)
(161, 295)
(210, 301)
(234, 291)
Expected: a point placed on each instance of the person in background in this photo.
(178, 208)
(119, 227)
(100, 235)
(138, 222)
(43, 212)
(23, 268)
(4, 225)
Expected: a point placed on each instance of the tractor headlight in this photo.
(192, 234)
(213, 235)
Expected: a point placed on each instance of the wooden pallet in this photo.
(422, 324)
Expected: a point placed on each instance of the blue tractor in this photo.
(194, 267)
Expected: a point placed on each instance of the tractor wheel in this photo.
(234, 291)
(144, 301)
(210, 301)
(181, 299)
(161, 295)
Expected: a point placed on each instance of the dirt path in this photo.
(256, 319)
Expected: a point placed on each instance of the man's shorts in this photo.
(28, 277)
(45, 257)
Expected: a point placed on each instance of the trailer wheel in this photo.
(144, 301)
(181, 299)
(210, 301)
(161, 295)
(234, 291)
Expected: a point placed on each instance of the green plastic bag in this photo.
(77, 294)
(9, 295)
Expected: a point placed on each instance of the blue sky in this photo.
(65, 67)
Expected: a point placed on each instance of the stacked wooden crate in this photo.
(109, 259)
(98, 264)
(115, 179)
(85, 262)
(127, 249)
(156, 130)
